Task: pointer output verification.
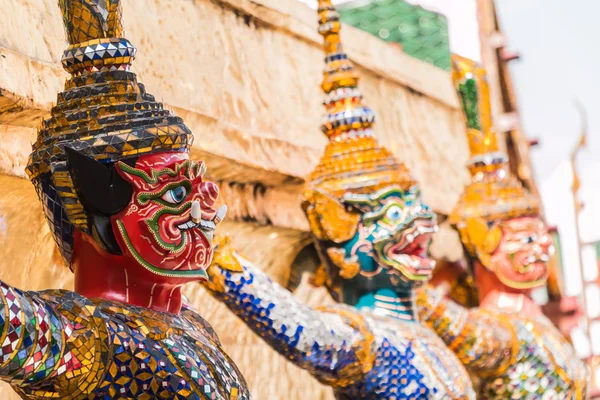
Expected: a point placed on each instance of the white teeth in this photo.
(427, 229)
(409, 238)
(545, 257)
(209, 225)
(186, 225)
(196, 212)
(414, 262)
(221, 212)
(204, 225)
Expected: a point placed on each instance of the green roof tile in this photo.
(423, 34)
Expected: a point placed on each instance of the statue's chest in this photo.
(412, 363)
(177, 365)
(545, 366)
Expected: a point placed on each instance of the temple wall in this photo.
(244, 74)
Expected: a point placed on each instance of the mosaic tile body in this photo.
(515, 357)
(360, 355)
(58, 344)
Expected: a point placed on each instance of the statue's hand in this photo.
(224, 259)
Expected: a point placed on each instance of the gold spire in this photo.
(339, 72)
(494, 193)
(91, 19)
(346, 117)
(354, 161)
(471, 83)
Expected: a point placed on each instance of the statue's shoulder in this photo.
(191, 315)
(61, 297)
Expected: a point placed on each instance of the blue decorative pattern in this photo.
(359, 354)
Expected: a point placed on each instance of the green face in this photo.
(389, 249)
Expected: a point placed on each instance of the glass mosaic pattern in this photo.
(515, 356)
(359, 354)
(58, 344)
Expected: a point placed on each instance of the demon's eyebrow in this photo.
(373, 199)
(156, 174)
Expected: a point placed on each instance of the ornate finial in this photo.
(346, 117)
(91, 19)
(494, 193)
(94, 30)
(471, 84)
(339, 72)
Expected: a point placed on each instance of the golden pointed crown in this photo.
(494, 193)
(354, 161)
(103, 113)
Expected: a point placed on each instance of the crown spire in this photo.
(94, 30)
(494, 193)
(470, 81)
(353, 162)
(91, 19)
(346, 118)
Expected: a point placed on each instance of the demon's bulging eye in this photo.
(529, 239)
(175, 195)
(393, 214)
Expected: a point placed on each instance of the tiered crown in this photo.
(494, 193)
(103, 113)
(353, 160)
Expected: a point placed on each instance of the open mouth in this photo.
(532, 262)
(410, 251)
(207, 227)
(538, 258)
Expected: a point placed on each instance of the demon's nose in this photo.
(210, 193)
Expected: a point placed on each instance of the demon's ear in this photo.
(329, 218)
(100, 189)
(485, 239)
(102, 192)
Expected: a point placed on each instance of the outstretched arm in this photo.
(483, 343)
(333, 346)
